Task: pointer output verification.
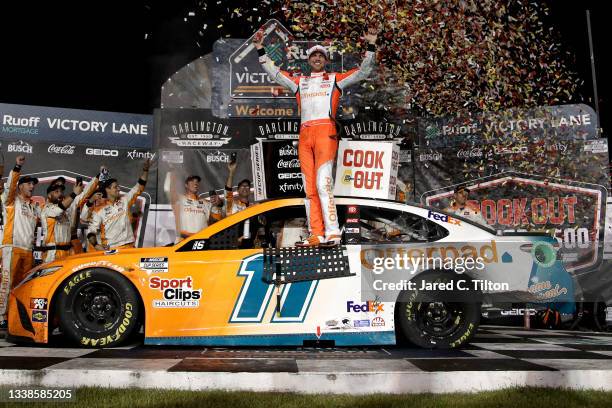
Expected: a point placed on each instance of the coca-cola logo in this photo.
(66, 149)
(288, 164)
(466, 154)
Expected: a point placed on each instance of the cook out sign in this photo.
(367, 169)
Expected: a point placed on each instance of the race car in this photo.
(242, 282)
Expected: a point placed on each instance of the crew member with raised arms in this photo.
(112, 219)
(317, 97)
(20, 215)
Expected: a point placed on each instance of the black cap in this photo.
(56, 186)
(27, 179)
(59, 180)
(461, 187)
(193, 177)
(245, 181)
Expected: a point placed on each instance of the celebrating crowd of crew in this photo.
(100, 206)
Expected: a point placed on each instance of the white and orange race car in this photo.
(242, 282)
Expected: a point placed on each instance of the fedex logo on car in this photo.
(369, 306)
(443, 218)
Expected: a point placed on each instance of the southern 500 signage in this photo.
(367, 169)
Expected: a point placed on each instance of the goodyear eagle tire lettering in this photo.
(98, 308)
(426, 319)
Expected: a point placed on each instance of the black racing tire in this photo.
(98, 308)
(442, 321)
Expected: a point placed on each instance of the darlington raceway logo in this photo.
(177, 293)
(280, 129)
(372, 130)
(200, 133)
(66, 149)
(20, 147)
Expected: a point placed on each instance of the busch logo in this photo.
(20, 147)
(369, 306)
(101, 152)
(217, 157)
(430, 156)
(135, 154)
(66, 149)
(288, 150)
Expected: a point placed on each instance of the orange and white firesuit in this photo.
(317, 97)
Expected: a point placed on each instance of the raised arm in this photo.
(356, 75)
(280, 77)
(8, 196)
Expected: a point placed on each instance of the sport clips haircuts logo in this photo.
(177, 293)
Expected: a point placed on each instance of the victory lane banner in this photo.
(545, 123)
(39, 123)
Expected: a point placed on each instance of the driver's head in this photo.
(317, 58)
(111, 189)
(192, 184)
(244, 189)
(55, 193)
(460, 195)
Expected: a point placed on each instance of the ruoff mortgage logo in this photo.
(20, 125)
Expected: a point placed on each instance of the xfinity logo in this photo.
(135, 154)
(101, 152)
(20, 147)
(67, 149)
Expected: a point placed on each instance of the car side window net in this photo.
(379, 225)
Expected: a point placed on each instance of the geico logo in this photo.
(101, 152)
(160, 283)
(486, 251)
(443, 218)
(369, 306)
(284, 176)
(359, 158)
(324, 85)
(511, 150)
